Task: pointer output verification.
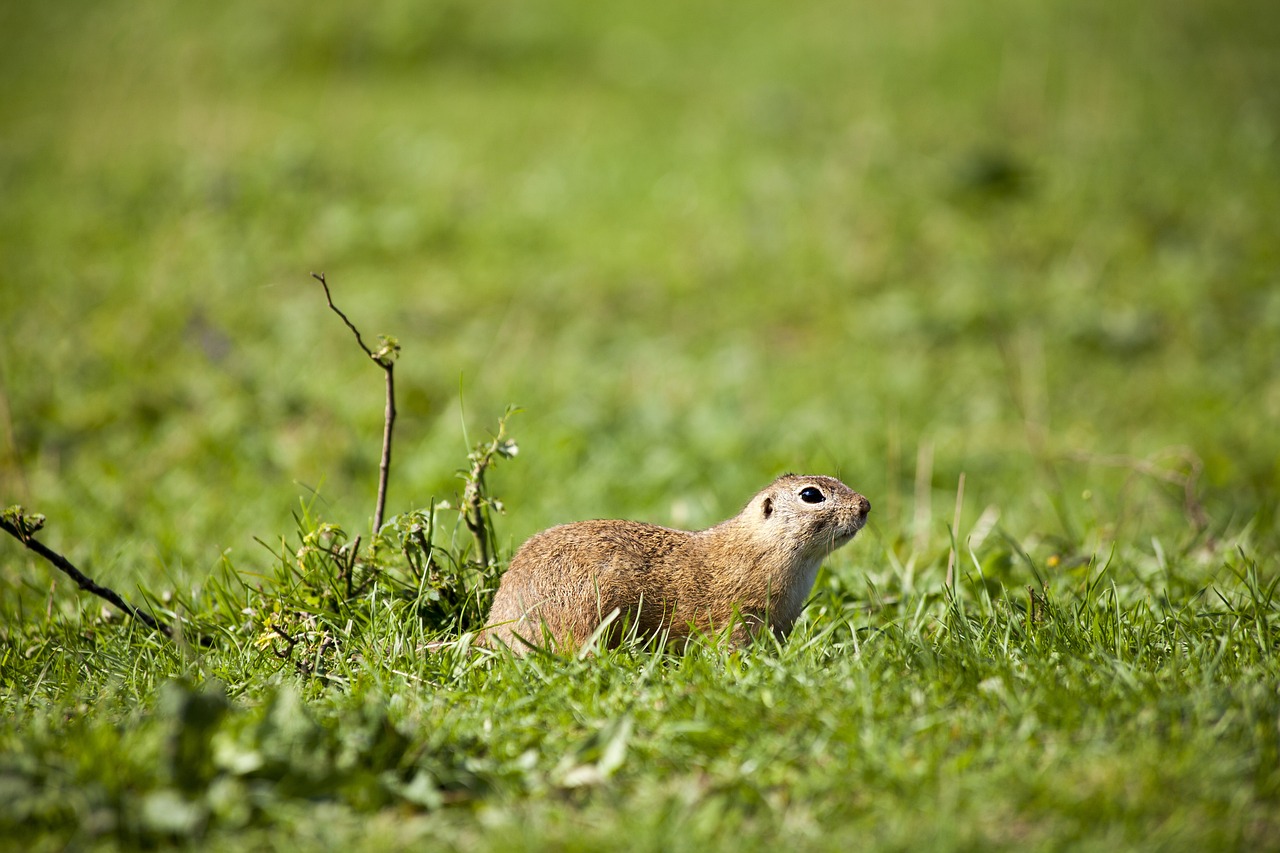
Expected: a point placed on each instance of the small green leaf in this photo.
(28, 524)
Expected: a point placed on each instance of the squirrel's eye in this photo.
(812, 495)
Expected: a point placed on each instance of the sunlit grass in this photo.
(1029, 245)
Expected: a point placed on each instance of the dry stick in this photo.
(388, 421)
(388, 367)
(62, 563)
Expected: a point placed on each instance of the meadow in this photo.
(1010, 270)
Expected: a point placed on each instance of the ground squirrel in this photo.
(753, 570)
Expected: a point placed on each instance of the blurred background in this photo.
(697, 244)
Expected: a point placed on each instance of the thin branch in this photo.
(384, 358)
(319, 276)
(17, 527)
(388, 423)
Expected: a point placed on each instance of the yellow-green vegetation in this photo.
(1036, 245)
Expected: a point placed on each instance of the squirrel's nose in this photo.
(863, 505)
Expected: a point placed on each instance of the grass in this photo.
(698, 245)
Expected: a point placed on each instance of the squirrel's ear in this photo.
(768, 507)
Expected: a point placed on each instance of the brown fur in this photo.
(755, 569)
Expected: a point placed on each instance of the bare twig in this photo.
(388, 421)
(384, 357)
(23, 527)
(319, 276)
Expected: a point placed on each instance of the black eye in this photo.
(812, 495)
